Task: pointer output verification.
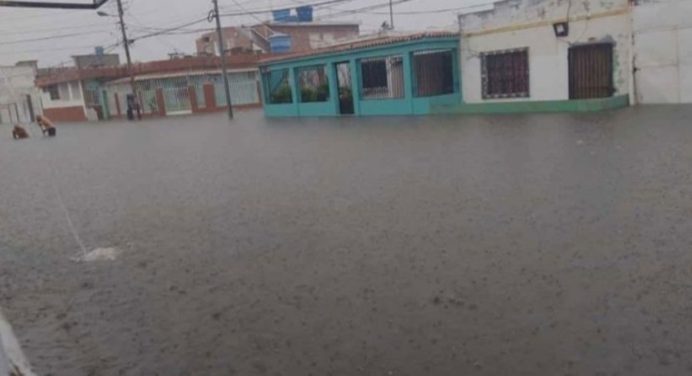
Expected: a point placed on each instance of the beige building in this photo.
(304, 36)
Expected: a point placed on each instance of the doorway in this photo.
(591, 71)
(344, 87)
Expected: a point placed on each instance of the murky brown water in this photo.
(511, 245)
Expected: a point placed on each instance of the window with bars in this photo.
(382, 78)
(433, 73)
(505, 74)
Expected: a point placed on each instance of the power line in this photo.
(43, 30)
(341, 12)
(167, 30)
(43, 38)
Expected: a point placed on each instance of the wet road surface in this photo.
(507, 245)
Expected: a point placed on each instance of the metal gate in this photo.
(177, 100)
(591, 71)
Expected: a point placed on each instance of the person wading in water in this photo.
(47, 126)
(19, 133)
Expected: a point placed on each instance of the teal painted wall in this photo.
(365, 107)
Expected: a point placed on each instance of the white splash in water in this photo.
(99, 254)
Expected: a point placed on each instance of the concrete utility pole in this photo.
(222, 53)
(391, 15)
(129, 59)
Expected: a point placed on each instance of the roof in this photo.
(157, 76)
(53, 76)
(358, 44)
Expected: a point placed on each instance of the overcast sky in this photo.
(78, 31)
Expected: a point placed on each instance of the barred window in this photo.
(382, 77)
(505, 74)
(433, 73)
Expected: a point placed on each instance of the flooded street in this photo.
(503, 245)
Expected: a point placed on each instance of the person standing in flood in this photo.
(19, 133)
(47, 126)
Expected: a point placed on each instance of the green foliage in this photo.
(281, 95)
(319, 94)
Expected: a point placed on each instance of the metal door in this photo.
(591, 71)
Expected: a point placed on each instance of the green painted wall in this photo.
(365, 107)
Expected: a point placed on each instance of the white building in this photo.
(19, 97)
(546, 50)
(663, 51)
(65, 101)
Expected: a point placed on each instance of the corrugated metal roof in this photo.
(358, 44)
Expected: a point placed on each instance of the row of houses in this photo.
(507, 56)
(97, 86)
(178, 86)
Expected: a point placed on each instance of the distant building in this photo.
(300, 36)
(291, 30)
(165, 87)
(96, 60)
(20, 100)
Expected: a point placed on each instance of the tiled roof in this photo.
(361, 44)
(53, 76)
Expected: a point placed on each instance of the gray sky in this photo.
(78, 31)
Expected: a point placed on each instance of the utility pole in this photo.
(222, 53)
(129, 59)
(391, 15)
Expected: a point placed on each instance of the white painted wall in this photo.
(16, 82)
(528, 23)
(663, 51)
(70, 96)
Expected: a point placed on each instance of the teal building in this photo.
(412, 74)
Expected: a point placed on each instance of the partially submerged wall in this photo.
(529, 23)
(663, 51)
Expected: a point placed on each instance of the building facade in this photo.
(558, 55)
(303, 36)
(384, 75)
(164, 87)
(20, 100)
(96, 60)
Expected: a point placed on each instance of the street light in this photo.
(126, 43)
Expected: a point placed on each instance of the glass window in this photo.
(382, 78)
(505, 73)
(434, 72)
(52, 90)
(277, 88)
(313, 84)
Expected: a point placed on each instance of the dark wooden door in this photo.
(591, 71)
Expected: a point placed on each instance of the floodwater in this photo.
(503, 245)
